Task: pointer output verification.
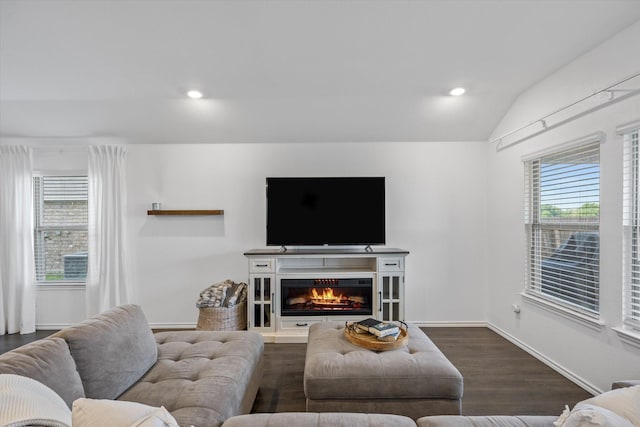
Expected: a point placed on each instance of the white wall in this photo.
(594, 358)
(435, 209)
(456, 206)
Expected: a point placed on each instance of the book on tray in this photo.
(378, 328)
(392, 337)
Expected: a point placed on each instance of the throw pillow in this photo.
(586, 415)
(619, 407)
(623, 401)
(26, 402)
(118, 413)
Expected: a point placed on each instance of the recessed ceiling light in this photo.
(194, 94)
(457, 91)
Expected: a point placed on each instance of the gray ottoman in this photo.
(415, 381)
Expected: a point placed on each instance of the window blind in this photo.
(65, 187)
(632, 228)
(562, 215)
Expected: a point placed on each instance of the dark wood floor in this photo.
(499, 377)
(11, 341)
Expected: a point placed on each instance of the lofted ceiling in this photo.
(284, 70)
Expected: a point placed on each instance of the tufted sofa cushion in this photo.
(47, 361)
(202, 377)
(487, 421)
(307, 419)
(112, 350)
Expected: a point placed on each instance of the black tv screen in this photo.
(326, 211)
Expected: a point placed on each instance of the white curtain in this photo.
(17, 277)
(107, 284)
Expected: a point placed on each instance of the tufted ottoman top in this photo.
(336, 369)
(201, 376)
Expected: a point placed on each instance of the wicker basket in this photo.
(223, 318)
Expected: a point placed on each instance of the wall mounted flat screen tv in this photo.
(326, 211)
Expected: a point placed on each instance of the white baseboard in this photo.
(56, 326)
(581, 382)
(187, 325)
(51, 326)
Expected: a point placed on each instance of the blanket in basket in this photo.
(223, 294)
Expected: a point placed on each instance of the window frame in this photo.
(38, 211)
(631, 226)
(534, 226)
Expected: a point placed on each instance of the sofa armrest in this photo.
(624, 383)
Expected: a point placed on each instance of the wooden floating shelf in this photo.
(186, 212)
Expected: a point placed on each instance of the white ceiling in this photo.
(284, 71)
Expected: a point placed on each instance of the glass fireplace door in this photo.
(326, 297)
(262, 302)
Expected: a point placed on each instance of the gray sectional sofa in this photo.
(388, 420)
(201, 377)
(307, 419)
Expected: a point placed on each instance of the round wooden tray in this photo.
(371, 342)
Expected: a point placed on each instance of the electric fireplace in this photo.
(322, 297)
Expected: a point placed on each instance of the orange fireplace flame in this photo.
(327, 295)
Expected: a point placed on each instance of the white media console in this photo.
(347, 285)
